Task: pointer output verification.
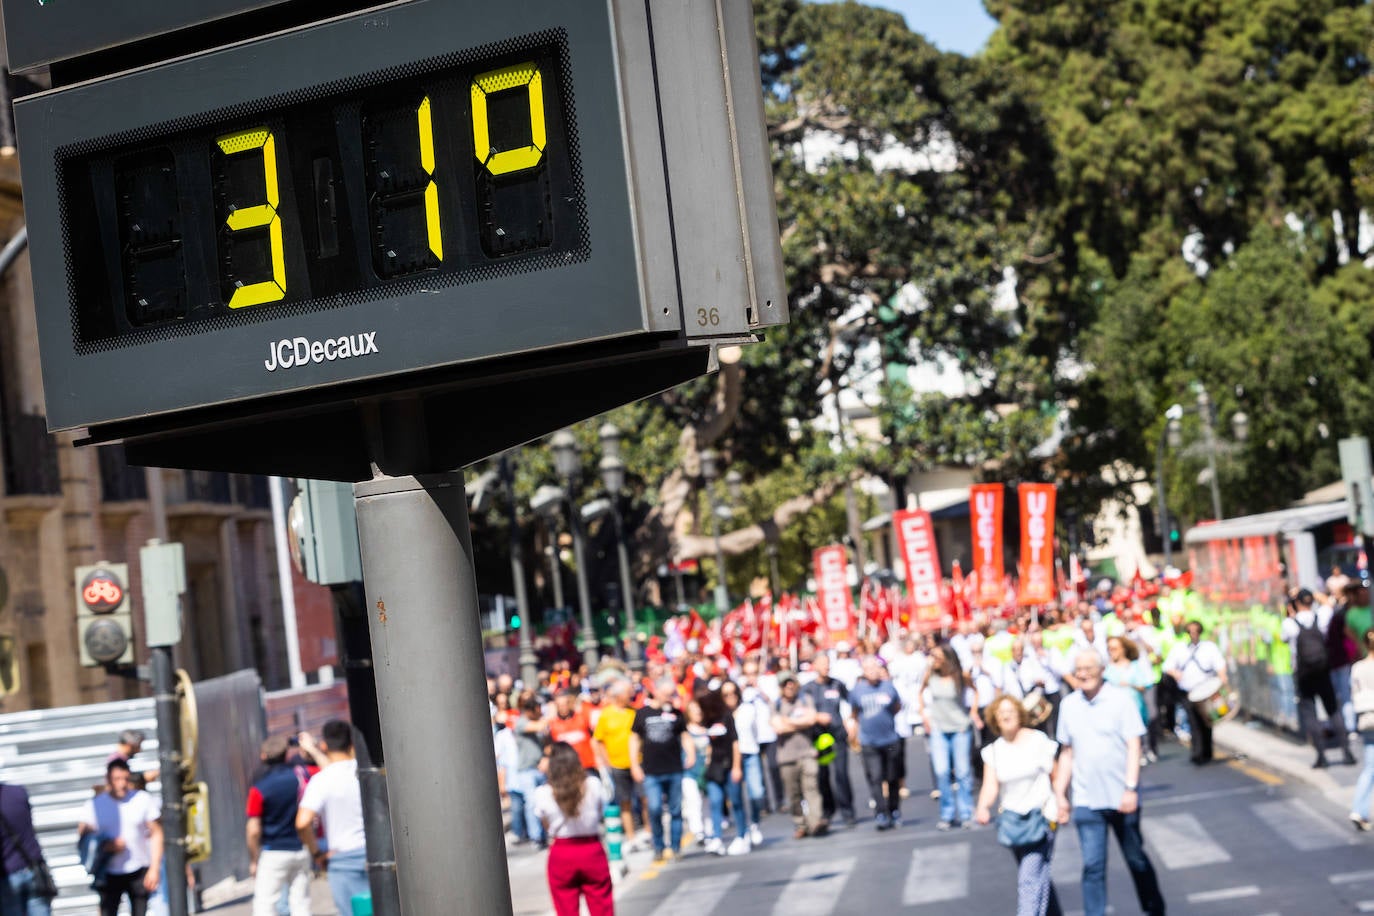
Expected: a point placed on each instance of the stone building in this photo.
(62, 506)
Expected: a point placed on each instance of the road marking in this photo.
(1302, 829)
(937, 874)
(814, 889)
(1181, 842)
(1365, 906)
(1254, 772)
(1225, 893)
(1153, 802)
(697, 895)
(1351, 877)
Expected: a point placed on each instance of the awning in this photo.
(1281, 522)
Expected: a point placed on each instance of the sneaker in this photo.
(883, 822)
(944, 825)
(1358, 822)
(896, 818)
(821, 829)
(851, 822)
(714, 847)
(661, 856)
(1320, 763)
(738, 846)
(669, 857)
(968, 825)
(755, 835)
(935, 794)
(1348, 758)
(872, 804)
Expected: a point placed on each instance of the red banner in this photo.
(832, 591)
(1037, 543)
(985, 513)
(916, 541)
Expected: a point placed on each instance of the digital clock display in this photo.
(449, 171)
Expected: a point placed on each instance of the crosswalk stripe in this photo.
(697, 895)
(1301, 828)
(814, 888)
(1351, 877)
(1225, 893)
(937, 874)
(1180, 841)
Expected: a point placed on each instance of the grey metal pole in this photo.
(529, 671)
(722, 590)
(588, 645)
(431, 693)
(169, 764)
(1204, 406)
(380, 839)
(627, 588)
(1163, 506)
(555, 567)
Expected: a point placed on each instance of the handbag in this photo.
(1017, 831)
(43, 884)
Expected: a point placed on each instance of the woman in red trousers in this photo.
(569, 804)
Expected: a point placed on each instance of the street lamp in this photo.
(1172, 434)
(529, 669)
(546, 502)
(613, 479)
(709, 473)
(568, 463)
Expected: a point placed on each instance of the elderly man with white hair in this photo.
(1099, 732)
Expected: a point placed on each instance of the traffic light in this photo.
(104, 624)
(1175, 536)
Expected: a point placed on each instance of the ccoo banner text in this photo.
(916, 541)
(832, 591)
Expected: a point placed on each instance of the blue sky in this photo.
(951, 25)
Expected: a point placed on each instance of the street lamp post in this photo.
(613, 479)
(1204, 409)
(709, 472)
(568, 464)
(529, 671)
(1172, 435)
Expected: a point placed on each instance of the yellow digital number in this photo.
(264, 214)
(426, 123)
(503, 162)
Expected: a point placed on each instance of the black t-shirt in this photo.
(723, 738)
(660, 734)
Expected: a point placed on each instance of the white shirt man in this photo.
(127, 825)
(333, 795)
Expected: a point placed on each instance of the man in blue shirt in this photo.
(277, 857)
(1099, 732)
(874, 704)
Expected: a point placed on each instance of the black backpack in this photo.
(1312, 655)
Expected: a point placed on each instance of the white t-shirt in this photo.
(1023, 771)
(763, 715)
(746, 714)
(588, 820)
(127, 818)
(334, 794)
(1195, 664)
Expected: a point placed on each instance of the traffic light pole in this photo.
(431, 693)
(169, 765)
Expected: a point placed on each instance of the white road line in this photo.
(937, 874)
(1365, 906)
(814, 889)
(1180, 841)
(1225, 893)
(1351, 877)
(1299, 827)
(697, 895)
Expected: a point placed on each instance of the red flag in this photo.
(832, 590)
(916, 543)
(1037, 543)
(956, 591)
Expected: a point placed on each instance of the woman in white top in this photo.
(1020, 766)
(1362, 692)
(569, 805)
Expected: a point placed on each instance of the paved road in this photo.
(1226, 839)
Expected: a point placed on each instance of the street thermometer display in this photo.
(467, 169)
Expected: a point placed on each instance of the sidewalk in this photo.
(1271, 749)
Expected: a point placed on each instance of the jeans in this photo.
(1035, 894)
(1285, 697)
(717, 793)
(958, 804)
(1092, 838)
(526, 781)
(1340, 681)
(658, 789)
(883, 765)
(1364, 786)
(753, 785)
(347, 873)
(18, 899)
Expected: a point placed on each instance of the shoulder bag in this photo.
(1018, 831)
(43, 884)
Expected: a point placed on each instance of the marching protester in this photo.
(948, 710)
(874, 705)
(793, 722)
(1305, 630)
(1362, 696)
(1191, 665)
(124, 826)
(1019, 766)
(277, 858)
(831, 700)
(724, 775)
(1099, 734)
(611, 742)
(569, 807)
(660, 751)
(746, 733)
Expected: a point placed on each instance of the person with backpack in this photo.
(1191, 664)
(1305, 630)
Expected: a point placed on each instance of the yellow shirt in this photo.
(613, 730)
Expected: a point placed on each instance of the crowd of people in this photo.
(1047, 719)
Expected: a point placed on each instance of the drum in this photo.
(1037, 707)
(1213, 701)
